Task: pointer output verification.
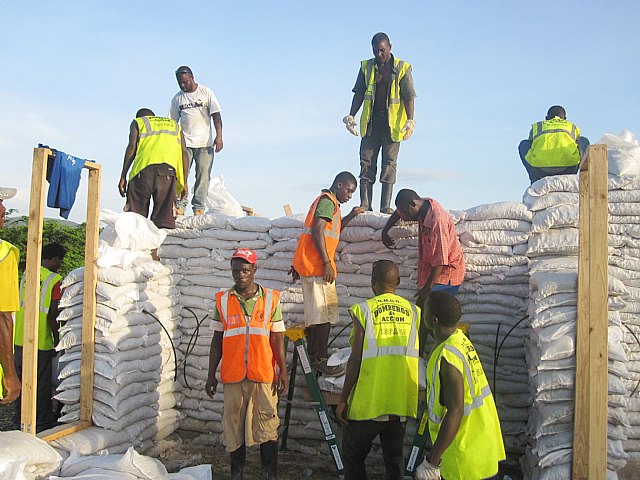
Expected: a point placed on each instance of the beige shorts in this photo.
(250, 414)
(320, 301)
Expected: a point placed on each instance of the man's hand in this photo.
(350, 123)
(426, 471)
(387, 240)
(281, 384)
(329, 274)
(185, 192)
(341, 412)
(422, 295)
(357, 211)
(122, 187)
(217, 143)
(294, 274)
(212, 385)
(408, 128)
(12, 388)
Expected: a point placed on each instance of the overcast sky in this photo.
(75, 73)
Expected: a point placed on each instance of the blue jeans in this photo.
(536, 173)
(203, 158)
(450, 289)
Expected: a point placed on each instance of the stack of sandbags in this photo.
(136, 330)
(494, 296)
(553, 249)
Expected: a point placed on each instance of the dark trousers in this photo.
(536, 173)
(356, 445)
(379, 137)
(45, 417)
(157, 182)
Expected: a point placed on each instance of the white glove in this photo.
(350, 122)
(426, 471)
(408, 127)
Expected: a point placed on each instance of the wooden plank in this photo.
(89, 298)
(32, 291)
(287, 210)
(61, 430)
(590, 415)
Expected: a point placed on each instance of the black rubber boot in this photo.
(269, 460)
(366, 194)
(237, 463)
(385, 198)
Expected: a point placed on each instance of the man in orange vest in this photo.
(314, 263)
(248, 339)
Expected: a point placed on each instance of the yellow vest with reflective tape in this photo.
(159, 141)
(477, 447)
(395, 105)
(554, 144)
(48, 279)
(9, 253)
(388, 380)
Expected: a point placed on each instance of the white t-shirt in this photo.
(193, 111)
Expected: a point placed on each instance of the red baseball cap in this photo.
(246, 254)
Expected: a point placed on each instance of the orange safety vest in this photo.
(245, 345)
(307, 261)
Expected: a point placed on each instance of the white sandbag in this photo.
(554, 183)
(132, 231)
(499, 210)
(251, 224)
(557, 216)
(623, 153)
(26, 457)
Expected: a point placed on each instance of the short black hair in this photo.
(344, 177)
(405, 197)
(145, 112)
(556, 111)
(385, 273)
(53, 250)
(379, 38)
(184, 69)
(445, 307)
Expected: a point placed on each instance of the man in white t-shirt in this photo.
(194, 106)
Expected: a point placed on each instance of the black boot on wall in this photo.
(385, 198)
(366, 195)
(269, 460)
(237, 463)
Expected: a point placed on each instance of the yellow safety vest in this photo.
(554, 144)
(159, 142)
(388, 380)
(395, 105)
(48, 279)
(9, 284)
(477, 447)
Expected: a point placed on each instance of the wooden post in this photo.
(591, 400)
(287, 210)
(32, 291)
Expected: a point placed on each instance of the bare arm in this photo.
(317, 233)
(408, 107)
(353, 369)
(386, 239)
(351, 215)
(452, 395)
(185, 166)
(276, 340)
(129, 156)
(215, 355)
(217, 124)
(356, 103)
(10, 381)
(424, 292)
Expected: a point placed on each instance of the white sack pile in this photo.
(553, 249)
(136, 326)
(493, 298)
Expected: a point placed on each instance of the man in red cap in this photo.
(9, 302)
(248, 339)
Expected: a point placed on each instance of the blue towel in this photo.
(64, 182)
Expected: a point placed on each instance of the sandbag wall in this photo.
(135, 362)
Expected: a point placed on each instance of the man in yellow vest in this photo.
(160, 162)
(381, 384)
(314, 263)
(248, 339)
(48, 336)
(554, 146)
(9, 303)
(463, 421)
(385, 86)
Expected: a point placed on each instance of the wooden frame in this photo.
(32, 296)
(591, 400)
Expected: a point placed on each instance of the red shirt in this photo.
(439, 246)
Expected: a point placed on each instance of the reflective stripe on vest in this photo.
(538, 130)
(44, 290)
(553, 144)
(373, 350)
(150, 131)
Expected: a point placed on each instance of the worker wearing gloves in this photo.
(381, 384)
(9, 303)
(463, 420)
(384, 88)
(248, 339)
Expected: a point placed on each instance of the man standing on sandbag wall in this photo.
(160, 164)
(9, 303)
(314, 263)
(440, 259)
(194, 106)
(381, 384)
(385, 86)
(248, 339)
(48, 336)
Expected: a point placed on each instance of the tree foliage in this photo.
(72, 238)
